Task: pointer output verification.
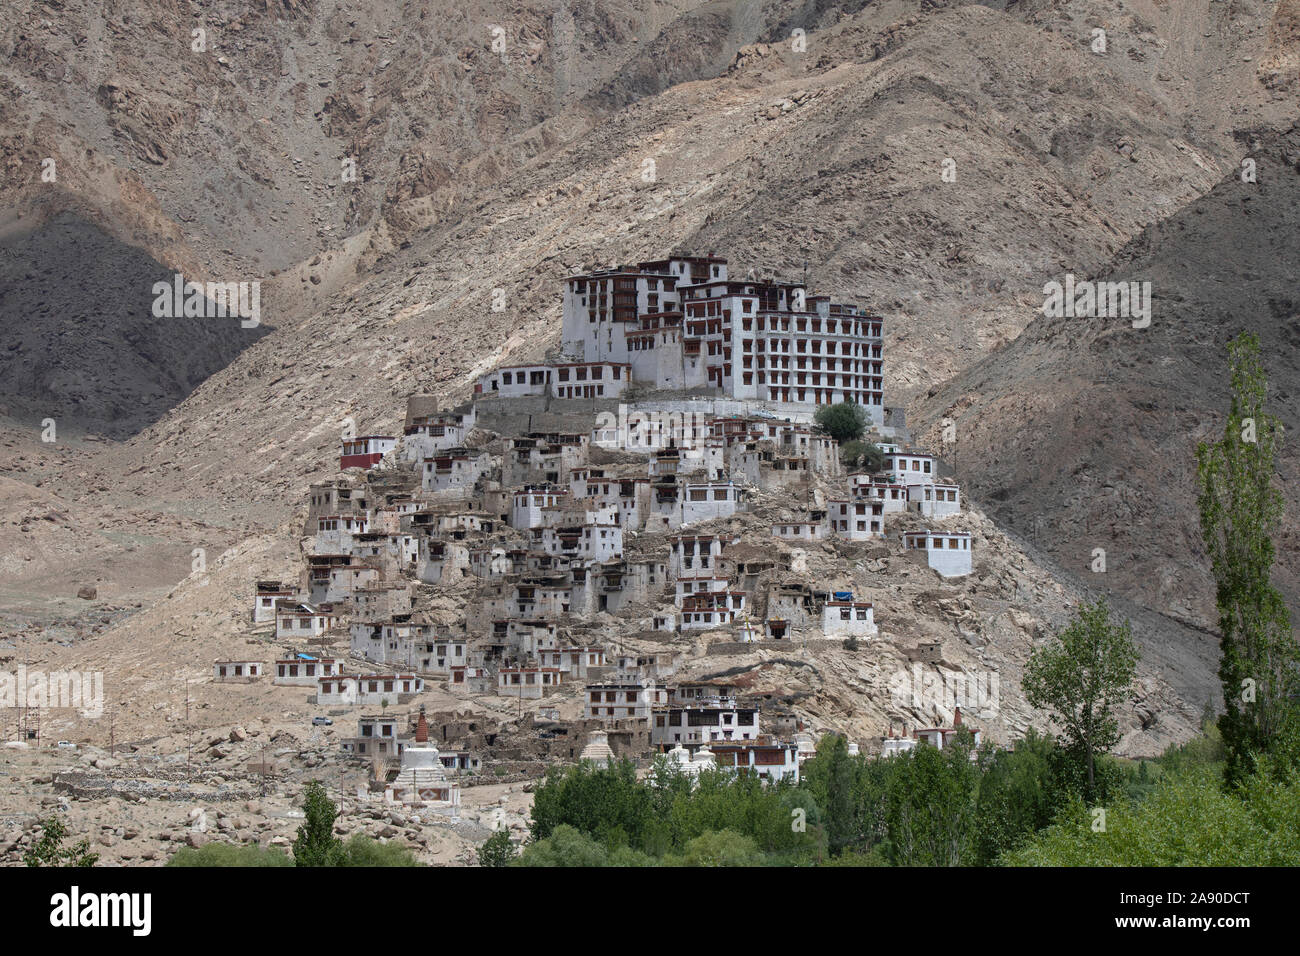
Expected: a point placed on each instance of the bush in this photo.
(497, 850)
(1188, 820)
(227, 854)
(50, 851)
(568, 847)
(718, 848)
(316, 844)
(362, 851)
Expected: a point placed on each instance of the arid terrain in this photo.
(498, 148)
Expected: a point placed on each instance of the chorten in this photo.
(423, 779)
(597, 749)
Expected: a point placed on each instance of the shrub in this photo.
(227, 854)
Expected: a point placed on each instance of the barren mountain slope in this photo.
(839, 168)
(101, 363)
(1082, 433)
(476, 174)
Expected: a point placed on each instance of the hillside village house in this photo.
(948, 552)
(934, 501)
(369, 690)
(454, 470)
(237, 670)
(377, 734)
(295, 620)
(910, 468)
(566, 380)
(891, 497)
(623, 699)
(429, 432)
(303, 670)
(693, 725)
(857, 519)
(528, 683)
(365, 452)
(848, 619)
(767, 759)
(264, 601)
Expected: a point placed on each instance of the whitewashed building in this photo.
(303, 670)
(948, 552)
(936, 500)
(623, 699)
(367, 690)
(848, 619)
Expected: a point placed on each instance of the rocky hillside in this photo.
(596, 131)
(99, 363)
(1082, 433)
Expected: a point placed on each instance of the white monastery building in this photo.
(683, 323)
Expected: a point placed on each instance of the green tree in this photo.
(1240, 510)
(497, 850)
(1188, 820)
(1081, 677)
(1019, 794)
(831, 780)
(607, 802)
(567, 846)
(930, 805)
(316, 844)
(49, 849)
(844, 421)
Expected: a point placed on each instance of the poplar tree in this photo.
(316, 844)
(1240, 509)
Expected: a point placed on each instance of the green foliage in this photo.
(665, 812)
(1082, 677)
(1240, 510)
(607, 802)
(930, 806)
(497, 850)
(831, 778)
(873, 857)
(864, 454)
(873, 458)
(718, 848)
(1188, 820)
(361, 850)
(1019, 794)
(1205, 751)
(316, 844)
(357, 851)
(566, 846)
(227, 854)
(49, 849)
(844, 421)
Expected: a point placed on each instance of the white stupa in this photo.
(422, 781)
(597, 749)
(681, 758)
